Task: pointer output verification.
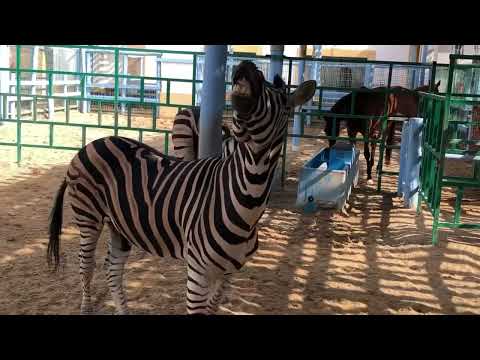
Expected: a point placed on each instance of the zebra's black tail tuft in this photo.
(55, 227)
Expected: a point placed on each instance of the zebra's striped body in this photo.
(185, 135)
(203, 211)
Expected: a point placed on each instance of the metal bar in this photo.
(458, 205)
(115, 103)
(161, 131)
(284, 149)
(284, 164)
(35, 106)
(166, 136)
(67, 111)
(393, 173)
(384, 126)
(84, 135)
(5, 107)
(458, 226)
(139, 51)
(154, 116)
(50, 132)
(168, 92)
(99, 113)
(194, 79)
(19, 104)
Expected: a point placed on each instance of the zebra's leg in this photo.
(198, 290)
(217, 293)
(118, 252)
(204, 292)
(89, 235)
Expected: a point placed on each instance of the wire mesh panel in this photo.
(342, 75)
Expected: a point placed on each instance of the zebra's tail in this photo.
(55, 227)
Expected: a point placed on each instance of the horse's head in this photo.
(426, 88)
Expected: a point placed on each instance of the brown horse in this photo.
(401, 102)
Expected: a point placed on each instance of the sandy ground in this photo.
(376, 260)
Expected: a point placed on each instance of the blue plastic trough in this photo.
(327, 179)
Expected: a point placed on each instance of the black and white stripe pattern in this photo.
(185, 135)
(203, 211)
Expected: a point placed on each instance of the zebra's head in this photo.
(260, 108)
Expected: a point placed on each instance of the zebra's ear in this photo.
(303, 93)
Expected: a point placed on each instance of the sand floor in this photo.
(376, 260)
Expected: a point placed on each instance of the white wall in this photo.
(391, 52)
(442, 52)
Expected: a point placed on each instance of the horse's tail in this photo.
(55, 226)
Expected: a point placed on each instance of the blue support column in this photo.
(423, 59)
(213, 101)
(410, 158)
(276, 62)
(297, 119)
(316, 54)
(368, 79)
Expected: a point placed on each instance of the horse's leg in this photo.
(366, 153)
(372, 160)
(390, 141)
(352, 133)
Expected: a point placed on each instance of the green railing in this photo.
(443, 140)
(116, 97)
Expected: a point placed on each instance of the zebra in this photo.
(204, 212)
(185, 135)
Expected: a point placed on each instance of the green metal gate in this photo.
(449, 134)
(104, 82)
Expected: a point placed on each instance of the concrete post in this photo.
(213, 101)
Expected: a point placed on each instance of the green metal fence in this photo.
(116, 89)
(450, 134)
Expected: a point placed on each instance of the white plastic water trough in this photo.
(326, 180)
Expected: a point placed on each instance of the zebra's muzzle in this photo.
(242, 104)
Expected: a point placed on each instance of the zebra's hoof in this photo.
(86, 311)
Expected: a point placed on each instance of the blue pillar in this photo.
(297, 120)
(423, 60)
(316, 54)
(276, 62)
(213, 101)
(410, 158)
